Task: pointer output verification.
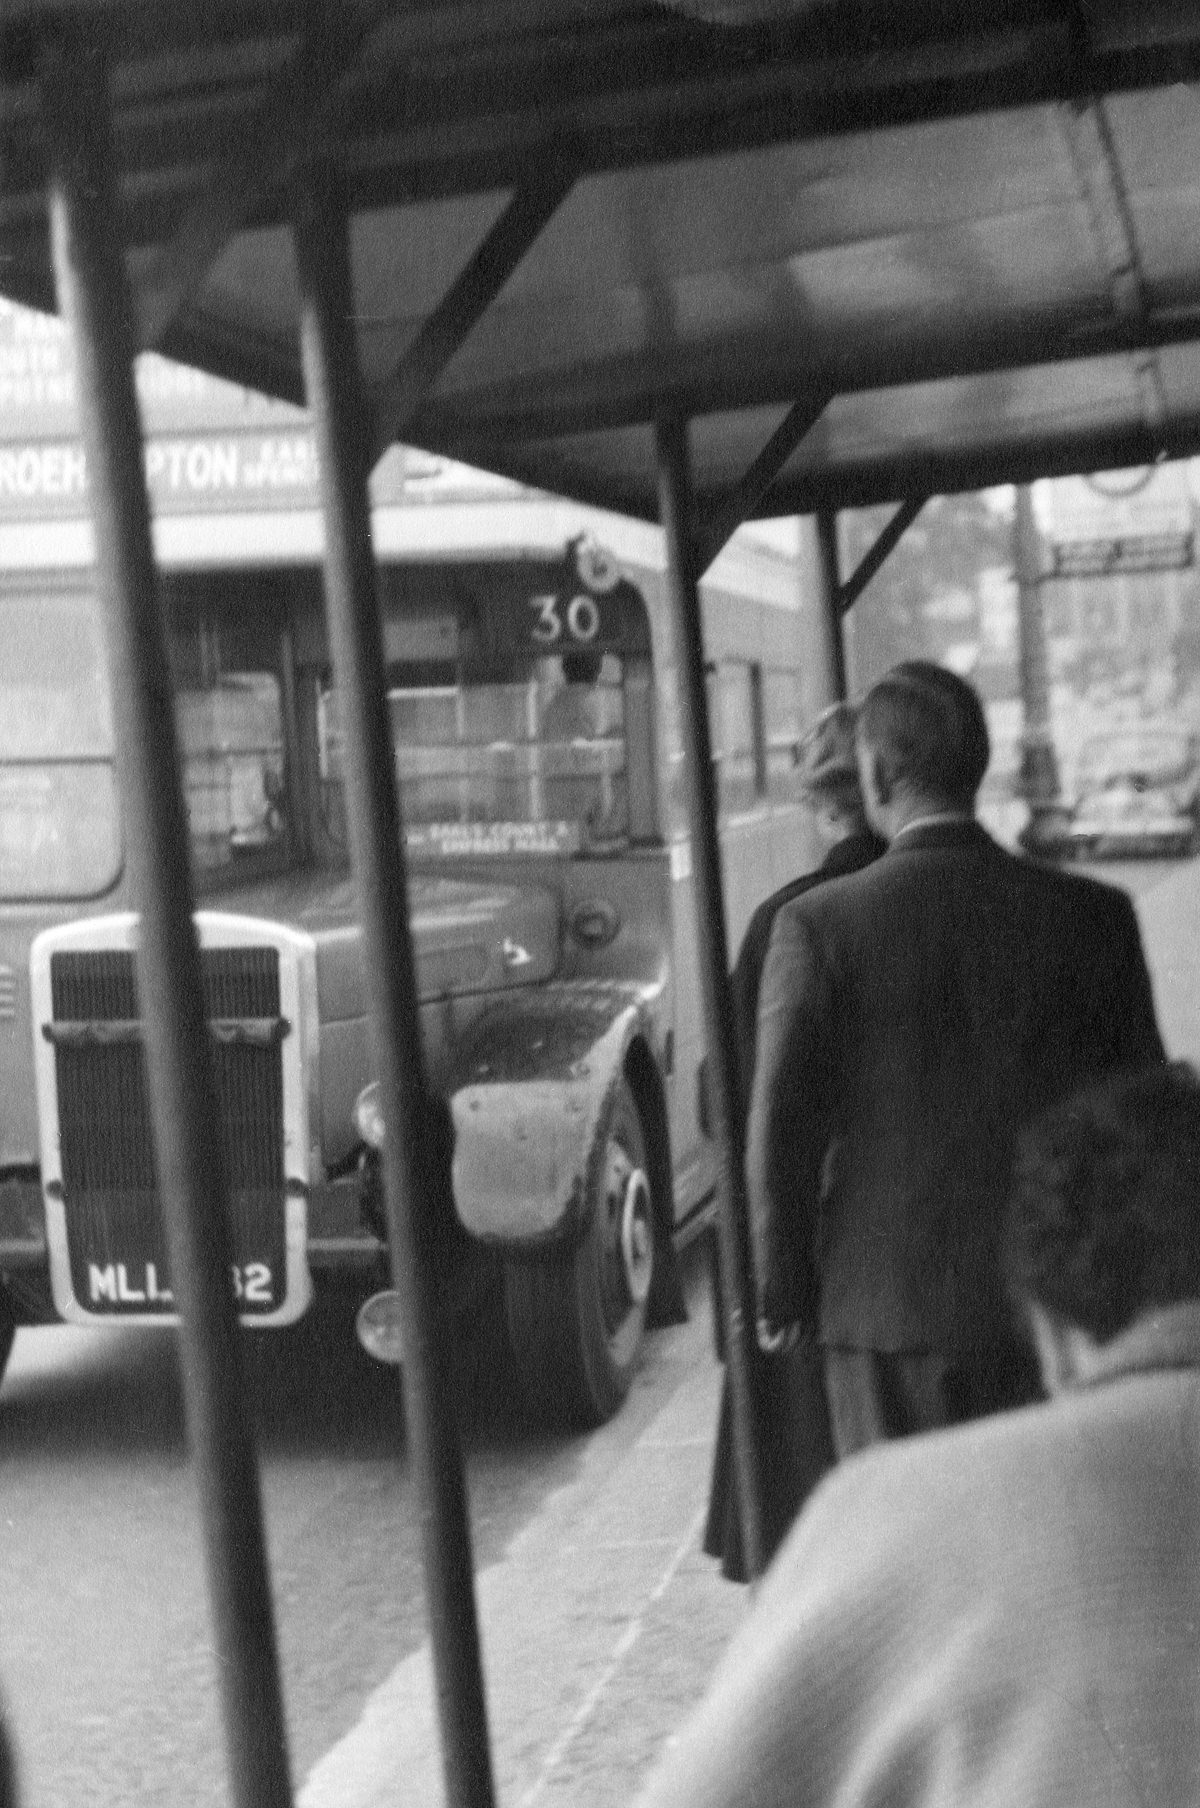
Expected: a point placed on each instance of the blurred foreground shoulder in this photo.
(8, 1768)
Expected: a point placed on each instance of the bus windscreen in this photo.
(531, 760)
(60, 834)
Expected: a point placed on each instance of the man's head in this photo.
(1103, 1224)
(828, 773)
(922, 744)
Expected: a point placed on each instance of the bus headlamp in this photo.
(594, 923)
(379, 1327)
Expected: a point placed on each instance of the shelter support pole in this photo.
(260, 156)
(341, 421)
(725, 1100)
(832, 612)
(1038, 778)
(94, 298)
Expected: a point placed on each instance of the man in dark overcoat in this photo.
(794, 1430)
(913, 1018)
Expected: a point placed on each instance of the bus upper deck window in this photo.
(60, 834)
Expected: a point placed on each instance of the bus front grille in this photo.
(109, 1172)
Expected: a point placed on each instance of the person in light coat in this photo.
(1007, 1614)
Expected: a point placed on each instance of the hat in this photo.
(827, 760)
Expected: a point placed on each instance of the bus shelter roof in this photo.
(872, 249)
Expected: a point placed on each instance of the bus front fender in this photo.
(529, 1096)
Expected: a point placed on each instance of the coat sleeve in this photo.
(791, 1118)
(744, 983)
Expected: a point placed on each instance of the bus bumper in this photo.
(22, 1224)
(339, 1235)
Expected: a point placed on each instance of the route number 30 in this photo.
(580, 621)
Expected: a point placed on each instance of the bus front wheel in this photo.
(577, 1319)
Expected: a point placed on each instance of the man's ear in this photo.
(881, 778)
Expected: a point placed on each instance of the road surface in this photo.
(105, 1652)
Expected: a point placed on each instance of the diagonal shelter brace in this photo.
(739, 503)
(464, 304)
(95, 300)
(725, 1099)
(273, 143)
(849, 592)
(376, 839)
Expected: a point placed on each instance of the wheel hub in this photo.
(637, 1236)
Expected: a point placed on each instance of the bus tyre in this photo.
(8, 1329)
(577, 1320)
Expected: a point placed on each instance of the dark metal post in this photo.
(831, 602)
(340, 418)
(94, 297)
(1038, 779)
(725, 1106)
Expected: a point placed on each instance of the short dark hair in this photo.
(1104, 1215)
(927, 727)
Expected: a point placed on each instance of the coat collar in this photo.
(855, 851)
(964, 833)
(1166, 1338)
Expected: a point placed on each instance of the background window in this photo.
(781, 733)
(737, 739)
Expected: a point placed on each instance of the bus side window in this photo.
(331, 767)
(639, 740)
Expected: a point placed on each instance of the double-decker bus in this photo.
(531, 693)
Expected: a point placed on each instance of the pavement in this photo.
(600, 1628)
(604, 1621)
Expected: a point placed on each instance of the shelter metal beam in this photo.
(889, 538)
(467, 299)
(1098, 167)
(702, 94)
(662, 86)
(726, 1109)
(924, 471)
(95, 300)
(665, 88)
(712, 379)
(266, 150)
(414, 1187)
(738, 503)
